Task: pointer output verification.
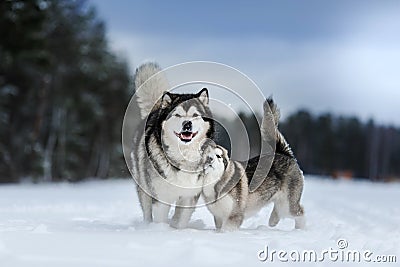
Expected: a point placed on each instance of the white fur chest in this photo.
(221, 207)
(177, 184)
(185, 179)
(209, 182)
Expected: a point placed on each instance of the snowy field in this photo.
(98, 223)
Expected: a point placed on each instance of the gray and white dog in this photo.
(166, 158)
(226, 183)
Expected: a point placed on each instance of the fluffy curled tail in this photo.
(149, 91)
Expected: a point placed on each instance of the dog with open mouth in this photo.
(167, 156)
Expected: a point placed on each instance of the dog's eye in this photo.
(177, 115)
(195, 115)
(218, 156)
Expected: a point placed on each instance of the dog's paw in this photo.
(178, 225)
(300, 222)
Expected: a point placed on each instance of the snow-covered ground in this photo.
(98, 223)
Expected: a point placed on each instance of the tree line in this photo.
(328, 145)
(332, 145)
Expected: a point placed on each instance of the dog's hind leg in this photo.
(274, 218)
(297, 211)
(146, 204)
(295, 189)
(183, 211)
(300, 222)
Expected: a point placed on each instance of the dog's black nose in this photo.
(186, 126)
(209, 160)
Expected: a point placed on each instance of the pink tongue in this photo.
(186, 136)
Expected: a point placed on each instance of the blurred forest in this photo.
(63, 95)
(337, 146)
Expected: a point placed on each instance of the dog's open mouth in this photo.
(186, 136)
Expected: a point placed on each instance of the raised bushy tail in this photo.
(282, 146)
(269, 125)
(268, 136)
(269, 102)
(149, 91)
(272, 142)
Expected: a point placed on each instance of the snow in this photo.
(98, 223)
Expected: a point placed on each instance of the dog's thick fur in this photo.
(226, 183)
(167, 161)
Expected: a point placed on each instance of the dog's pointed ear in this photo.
(203, 96)
(166, 100)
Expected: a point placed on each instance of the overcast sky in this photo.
(337, 56)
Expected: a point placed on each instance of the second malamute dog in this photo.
(167, 161)
(226, 184)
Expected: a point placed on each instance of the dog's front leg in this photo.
(183, 211)
(146, 204)
(232, 223)
(160, 212)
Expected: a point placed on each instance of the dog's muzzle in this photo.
(186, 135)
